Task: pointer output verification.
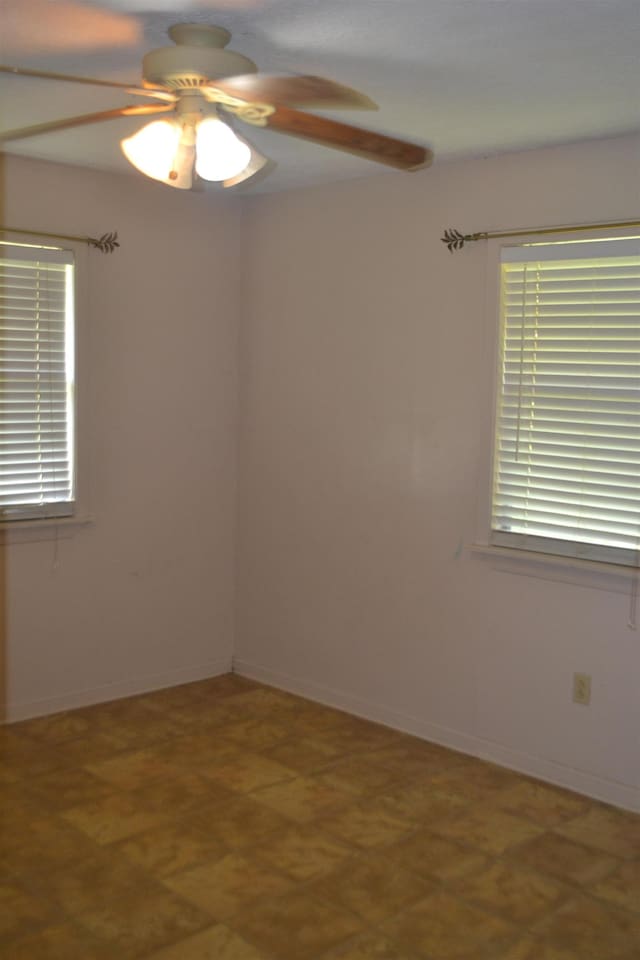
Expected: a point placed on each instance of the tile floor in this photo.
(225, 820)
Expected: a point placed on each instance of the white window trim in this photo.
(598, 574)
(36, 529)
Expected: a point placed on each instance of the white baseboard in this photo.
(609, 791)
(115, 691)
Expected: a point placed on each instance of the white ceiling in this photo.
(465, 77)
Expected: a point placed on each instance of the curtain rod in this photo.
(105, 244)
(456, 240)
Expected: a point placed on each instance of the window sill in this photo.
(36, 531)
(615, 578)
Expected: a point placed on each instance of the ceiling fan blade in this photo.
(363, 143)
(36, 26)
(52, 125)
(156, 92)
(303, 90)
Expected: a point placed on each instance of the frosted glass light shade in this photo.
(163, 150)
(219, 153)
(153, 148)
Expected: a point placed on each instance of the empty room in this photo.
(320, 479)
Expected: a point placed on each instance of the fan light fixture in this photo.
(168, 150)
(193, 79)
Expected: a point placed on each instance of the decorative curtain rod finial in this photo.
(106, 244)
(456, 240)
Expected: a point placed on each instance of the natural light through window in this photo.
(37, 385)
(566, 469)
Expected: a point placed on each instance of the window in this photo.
(566, 468)
(37, 382)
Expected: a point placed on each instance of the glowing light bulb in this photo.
(220, 155)
(153, 148)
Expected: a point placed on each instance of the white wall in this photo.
(363, 424)
(143, 596)
(362, 430)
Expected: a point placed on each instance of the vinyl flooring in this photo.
(226, 820)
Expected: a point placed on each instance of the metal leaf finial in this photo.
(107, 242)
(456, 240)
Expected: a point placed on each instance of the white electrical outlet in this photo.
(582, 688)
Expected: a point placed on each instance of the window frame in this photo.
(522, 557)
(41, 527)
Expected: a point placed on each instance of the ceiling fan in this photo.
(203, 89)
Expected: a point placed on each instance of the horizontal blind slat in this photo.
(567, 460)
(36, 459)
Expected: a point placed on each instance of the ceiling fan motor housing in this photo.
(197, 58)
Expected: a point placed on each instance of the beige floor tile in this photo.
(21, 913)
(313, 718)
(621, 887)
(179, 794)
(249, 771)
(592, 929)
(356, 736)
(557, 856)
(133, 723)
(372, 887)
(359, 774)
(303, 852)
(16, 800)
(544, 804)
(135, 926)
(303, 755)
(490, 830)
(206, 715)
(239, 822)
(36, 847)
(55, 728)
(90, 748)
(416, 759)
(256, 735)
(60, 942)
(264, 702)
(434, 857)
(214, 943)
(445, 928)
(21, 758)
(189, 698)
(227, 885)
(530, 948)
(420, 802)
(521, 896)
(11, 747)
(475, 780)
(369, 946)
(170, 848)
(133, 769)
(196, 752)
(103, 877)
(296, 926)
(366, 825)
(302, 799)
(65, 788)
(605, 828)
(113, 818)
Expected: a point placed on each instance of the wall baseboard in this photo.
(609, 791)
(116, 691)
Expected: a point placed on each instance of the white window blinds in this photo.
(567, 453)
(36, 382)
